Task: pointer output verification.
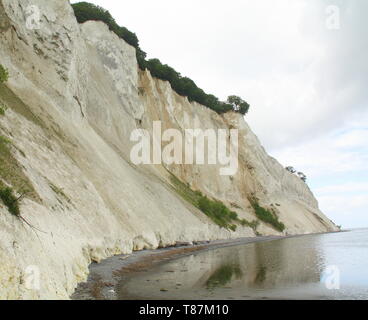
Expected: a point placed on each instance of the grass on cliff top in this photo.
(184, 86)
(213, 209)
(267, 216)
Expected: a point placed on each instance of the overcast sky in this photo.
(301, 64)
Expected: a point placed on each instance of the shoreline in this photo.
(104, 276)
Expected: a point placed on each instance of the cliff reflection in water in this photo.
(263, 265)
(232, 272)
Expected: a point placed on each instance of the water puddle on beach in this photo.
(329, 266)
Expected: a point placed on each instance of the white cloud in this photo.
(350, 211)
(344, 188)
(328, 155)
(357, 138)
(337, 165)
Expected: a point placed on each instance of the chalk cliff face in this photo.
(74, 96)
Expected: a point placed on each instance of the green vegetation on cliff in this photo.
(10, 201)
(267, 216)
(11, 171)
(212, 208)
(6, 193)
(2, 110)
(184, 86)
(4, 74)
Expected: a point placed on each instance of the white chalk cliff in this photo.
(74, 95)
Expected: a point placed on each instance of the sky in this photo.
(302, 66)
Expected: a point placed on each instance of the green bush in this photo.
(85, 11)
(184, 86)
(254, 224)
(4, 142)
(4, 74)
(218, 212)
(2, 110)
(238, 104)
(10, 201)
(214, 209)
(267, 216)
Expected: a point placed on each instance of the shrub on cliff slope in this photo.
(267, 216)
(2, 110)
(213, 209)
(4, 74)
(10, 201)
(184, 86)
(218, 212)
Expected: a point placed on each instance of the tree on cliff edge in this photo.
(239, 105)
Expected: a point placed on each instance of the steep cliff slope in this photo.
(73, 98)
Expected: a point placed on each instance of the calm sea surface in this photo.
(330, 266)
